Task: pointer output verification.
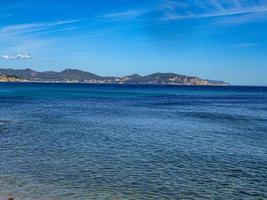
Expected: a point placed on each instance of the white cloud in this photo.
(20, 56)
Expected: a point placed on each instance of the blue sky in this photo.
(213, 39)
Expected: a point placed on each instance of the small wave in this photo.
(3, 122)
(221, 116)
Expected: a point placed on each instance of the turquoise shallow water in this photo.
(77, 141)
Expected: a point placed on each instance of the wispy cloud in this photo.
(171, 10)
(245, 45)
(212, 8)
(28, 38)
(20, 56)
(129, 13)
(240, 19)
(36, 26)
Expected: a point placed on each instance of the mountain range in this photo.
(78, 76)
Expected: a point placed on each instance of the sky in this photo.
(212, 39)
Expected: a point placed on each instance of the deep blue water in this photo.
(78, 141)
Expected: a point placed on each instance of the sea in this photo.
(132, 142)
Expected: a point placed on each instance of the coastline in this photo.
(114, 83)
(78, 76)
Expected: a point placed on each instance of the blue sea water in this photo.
(79, 141)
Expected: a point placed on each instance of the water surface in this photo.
(78, 141)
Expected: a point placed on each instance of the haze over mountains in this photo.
(78, 76)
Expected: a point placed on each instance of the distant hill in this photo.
(78, 76)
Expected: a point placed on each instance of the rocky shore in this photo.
(10, 78)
